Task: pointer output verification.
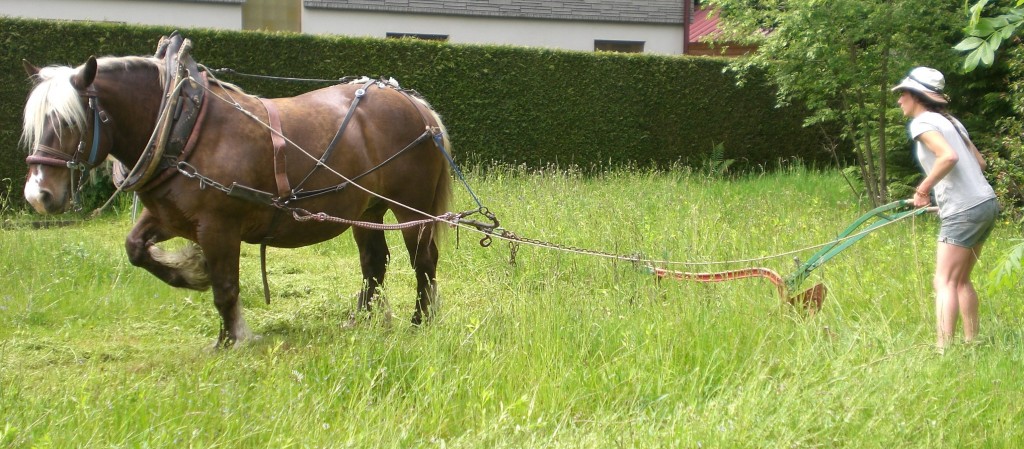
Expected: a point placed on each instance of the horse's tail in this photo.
(443, 191)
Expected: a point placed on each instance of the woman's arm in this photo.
(945, 160)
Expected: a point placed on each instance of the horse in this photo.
(181, 138)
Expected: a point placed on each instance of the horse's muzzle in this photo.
(44, 200)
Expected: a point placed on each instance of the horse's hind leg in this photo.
(423, 255)
(373, 260)
(184, 269)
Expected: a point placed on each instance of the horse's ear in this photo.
(86, 75)
(30, 69)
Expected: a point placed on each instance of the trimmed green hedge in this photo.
(501, 104)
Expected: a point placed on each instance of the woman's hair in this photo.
(941, 108)
(928, 103)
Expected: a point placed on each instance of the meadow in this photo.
(558, 350)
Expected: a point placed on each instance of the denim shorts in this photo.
(971, 227)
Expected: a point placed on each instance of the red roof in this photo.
(705, 23)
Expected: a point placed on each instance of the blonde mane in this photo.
(55, 98)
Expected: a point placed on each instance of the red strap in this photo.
(284, 189)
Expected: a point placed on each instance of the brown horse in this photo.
(349, 152)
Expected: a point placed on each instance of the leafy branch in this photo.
(1008, 274)
(986, 34)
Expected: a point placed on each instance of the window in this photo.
(425, 37)
(619, 46)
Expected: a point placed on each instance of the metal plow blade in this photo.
(811, 298)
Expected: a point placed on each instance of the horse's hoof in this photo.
(351, 322)
(235, 343)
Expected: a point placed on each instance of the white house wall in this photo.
(227, 14)
(182, 14)
(570, 35)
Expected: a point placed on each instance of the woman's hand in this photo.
(921, 198)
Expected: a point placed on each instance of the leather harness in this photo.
(182, 110)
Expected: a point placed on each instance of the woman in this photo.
(967, 203)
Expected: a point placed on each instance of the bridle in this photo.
(79, 161)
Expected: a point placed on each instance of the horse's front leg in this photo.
(184, 269)
(222, 245)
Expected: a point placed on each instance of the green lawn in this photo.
(559, 350)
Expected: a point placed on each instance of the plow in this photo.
(812, 298)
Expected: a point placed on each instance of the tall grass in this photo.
(558, 350)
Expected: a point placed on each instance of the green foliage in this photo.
(840, 60)
(1003, 141)
(1008, 275)
(986, 34)
(6, 195)
(717, 165)
(501, 104)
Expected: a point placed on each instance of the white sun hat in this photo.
(925, 81)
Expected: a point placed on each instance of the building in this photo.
(647, 26)
(703, 24)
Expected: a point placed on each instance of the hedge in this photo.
(502, 104)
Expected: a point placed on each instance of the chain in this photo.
(191, 172)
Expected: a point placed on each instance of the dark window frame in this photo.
(420, 36)
(619, 46)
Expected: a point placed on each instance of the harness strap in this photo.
(263, 271)
(49, 161)
(94, 152)
(284, 189)
(341, 130)
(49, 151)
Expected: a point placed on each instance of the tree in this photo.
(993, 29)
(985, 37)
(840, 59)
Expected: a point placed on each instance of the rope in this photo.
(229, 71)
(512, 238)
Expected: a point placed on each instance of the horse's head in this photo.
(63, 130)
